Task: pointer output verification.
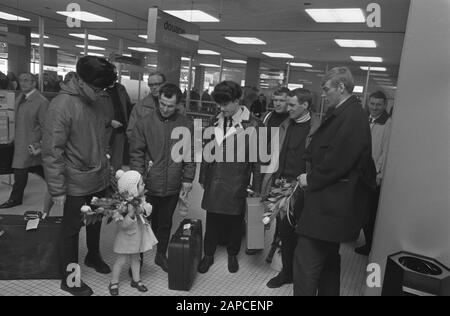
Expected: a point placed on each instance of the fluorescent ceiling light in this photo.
(314, 70)
(90, 47)
(143, 49)
(235, 61)
(46, 45)
(246, 40)
(186, 67)
(35, 35)
(93, 54)
(367, 59)
(292, 86)
(350, 15)
(210, 65)
(126, 55)
(278, 55)
(381, 75)
(192, 37)
(144, 36)
(373, 68)
(12, 17)
(192, 15)
(152, 65)
(356, 43)
(90, 37)
(185, 59)
(84, 16)
(389, 87)
(301, 65)
(358, 89)
(207, 52)
(381, 79)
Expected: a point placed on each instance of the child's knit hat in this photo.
(128, 182)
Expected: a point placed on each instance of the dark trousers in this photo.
(288, 244)
(21, 180)
(218, 225)
(372, 215)
(317, 268)
(161, 218)
(71, 225)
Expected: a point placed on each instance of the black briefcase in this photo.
(31, 254)
(185, 251)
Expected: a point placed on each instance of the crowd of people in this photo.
(337, 162)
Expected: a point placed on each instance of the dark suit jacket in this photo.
(342, 175)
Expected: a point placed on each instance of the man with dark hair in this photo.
(31, 107)
(293, 135)
(168, 178)
(380, 128)
(75, 162)
(225, 182)
(336, 188)
(149, 103)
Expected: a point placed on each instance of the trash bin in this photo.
(409, 274)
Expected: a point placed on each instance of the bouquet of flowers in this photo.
(279, 200)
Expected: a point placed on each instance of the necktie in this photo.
(22, 99)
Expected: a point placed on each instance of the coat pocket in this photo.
(337, 199)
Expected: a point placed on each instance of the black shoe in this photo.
(10, 203)
(278, 281)
(251, 252)
(363, 250)
(233, 264)
(139, 286)
(205, 264)
(96, 262)
(161, 260)
(82, 290)
(141, 262)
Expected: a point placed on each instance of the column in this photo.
(252, 72)
(199, 79)
(169, 63)
(19, 51)
(414, 212)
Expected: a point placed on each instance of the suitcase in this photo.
(29, 254)
(185, 252)
(254, 225)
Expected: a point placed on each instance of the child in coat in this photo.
(134, 234)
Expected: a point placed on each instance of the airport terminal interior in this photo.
(262, 46)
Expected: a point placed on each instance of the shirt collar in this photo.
(304, 118)
(29, 93)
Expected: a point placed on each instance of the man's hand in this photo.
(59, 200)
(186, 187)
(302, 180)
(33, 150)
(116, 124)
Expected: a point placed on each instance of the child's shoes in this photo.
(113, 289)
(139, 286)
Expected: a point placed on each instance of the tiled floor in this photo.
(250, 280)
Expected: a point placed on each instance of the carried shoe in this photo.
(251, 252)
(205, 264)
(272, 251)
(139, 286)
(96, 262)
(233, 264)
(278, 281)
(82, 290)
(10, 203)
(363, 250)
(113, 289)
(161, 260)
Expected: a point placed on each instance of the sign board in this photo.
(4, 127)
(116, 58)
(169, 31)
(7, 105)
(7, 99)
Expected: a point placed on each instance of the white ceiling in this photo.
(282, 24)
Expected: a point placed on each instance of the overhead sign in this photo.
(114, 57)
(167, 30)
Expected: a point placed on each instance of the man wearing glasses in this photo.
(75, 163)
(147, 104)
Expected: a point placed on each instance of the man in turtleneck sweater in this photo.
(274, 118)
(296, 130)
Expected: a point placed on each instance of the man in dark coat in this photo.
(75, 163)
(226, 179)
(337, 187)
